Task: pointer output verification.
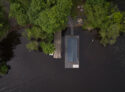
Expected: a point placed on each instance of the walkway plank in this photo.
(57, 43)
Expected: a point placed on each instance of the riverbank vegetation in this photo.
(4, 28)
(43, 18)
(46, 18)
(3, 68)
(106, 18)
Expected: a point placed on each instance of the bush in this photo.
(46, 17)
(3, 68)
(106, 17)
(33, 45)
(48, 48)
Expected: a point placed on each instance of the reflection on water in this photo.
(119, 51)
(7, 45)
(36, 72)
(120, 4)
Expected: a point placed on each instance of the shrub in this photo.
(33, 45)
(106, 17)
(48, 48)
(3, 68)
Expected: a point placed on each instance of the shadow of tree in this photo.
(8, 44)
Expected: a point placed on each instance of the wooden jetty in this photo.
(57, 44)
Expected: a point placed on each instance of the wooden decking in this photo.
(57, 43)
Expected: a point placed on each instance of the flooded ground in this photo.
(36, 72)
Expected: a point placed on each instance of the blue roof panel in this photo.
(72, 49)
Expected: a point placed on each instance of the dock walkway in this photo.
(57, 43)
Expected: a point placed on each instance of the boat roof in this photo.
(71, 51)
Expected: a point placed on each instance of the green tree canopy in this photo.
(106, 17)
(46, 16)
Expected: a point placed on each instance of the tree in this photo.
(106, 17)
(45, 16)
(18, 11)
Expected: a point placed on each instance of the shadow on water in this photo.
(7, 45)
(119, 51)
(120, 4)
(66, 31)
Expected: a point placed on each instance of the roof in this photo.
(71, 51)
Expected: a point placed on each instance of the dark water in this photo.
(100, 70)
(119, 51)
(36, 72)
(7, 45)
(120, 3)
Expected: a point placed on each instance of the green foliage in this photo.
(109, 34)
(55, 18)
(95, 12)
(3, 68)
(50, 15)
(46, 16)
(106, 17)
(48, 48)
(19, 13)
(33, 45)
(117, 16)
(37, 33)
(34, 32)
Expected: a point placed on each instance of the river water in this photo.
(37, 72)
(100, 69)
